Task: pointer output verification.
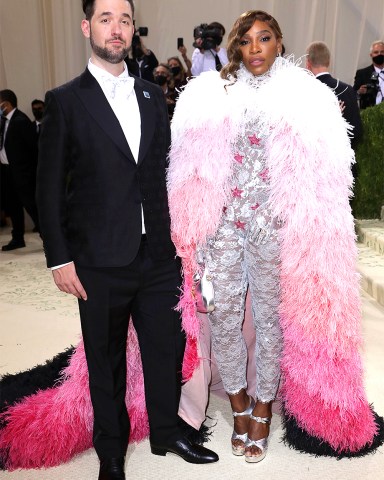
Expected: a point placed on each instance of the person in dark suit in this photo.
(18, 155)
(106, 231)
(369, 81)
(143, 60)
(38, 113)
(317, 61)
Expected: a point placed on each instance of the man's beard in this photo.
(109, 55)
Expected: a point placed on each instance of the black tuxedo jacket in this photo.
(21, 149)
(89, 187)
(347, 94)
(362, 77)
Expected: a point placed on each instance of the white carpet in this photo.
(37, 322)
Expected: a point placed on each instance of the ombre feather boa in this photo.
(309, 162)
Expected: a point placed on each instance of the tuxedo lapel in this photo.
(147, 107)
(93, 99)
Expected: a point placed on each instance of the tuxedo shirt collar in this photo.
(322, 73)
(100, 74)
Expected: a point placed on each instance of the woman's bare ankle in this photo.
(239, 401)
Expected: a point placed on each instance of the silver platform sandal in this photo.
(239, 450)
(262, 444)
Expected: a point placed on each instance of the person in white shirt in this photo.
(208, 55)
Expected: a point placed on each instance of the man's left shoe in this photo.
(112, 469)
(189, 452)
(12, 245)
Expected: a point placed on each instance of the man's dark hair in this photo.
(8, 96)
(89, 8)
(37, 101)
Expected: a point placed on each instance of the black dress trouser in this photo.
(146, 291)
(18, 192)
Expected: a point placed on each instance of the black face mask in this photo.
(38, 114)
(175, 70)
(160, 80)
(379, 59)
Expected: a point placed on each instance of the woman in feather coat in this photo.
(259, 181)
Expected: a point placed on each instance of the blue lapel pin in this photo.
(146, 94)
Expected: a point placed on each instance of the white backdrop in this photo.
(41, 44)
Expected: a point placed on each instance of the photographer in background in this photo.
(143, 61)
(208, 55)
(369, 81)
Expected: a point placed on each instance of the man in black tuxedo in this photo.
(38, 113)
(317, 61)
(18, 156)
(106, 231)
(369, 81)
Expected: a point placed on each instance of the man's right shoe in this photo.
(12, 245)
(189, 452)
(112, 469)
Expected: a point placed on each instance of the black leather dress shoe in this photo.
(12, 245)
(112, 469)
(189, 452)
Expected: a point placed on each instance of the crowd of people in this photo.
(247, 190)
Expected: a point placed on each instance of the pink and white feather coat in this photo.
(309, 162)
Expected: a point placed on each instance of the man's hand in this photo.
(182, 50)
(67, 281)
(198, 43)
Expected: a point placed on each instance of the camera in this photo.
(211, 37)
(373, 85)
(137, 51)
(142, 31)
(139, 32)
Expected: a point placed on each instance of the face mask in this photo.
(175, 70)
(379, 59)
(2, 111)
(160, 80)
(38, 114)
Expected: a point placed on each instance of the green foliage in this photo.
(369, 188)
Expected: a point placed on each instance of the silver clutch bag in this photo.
(203, 291)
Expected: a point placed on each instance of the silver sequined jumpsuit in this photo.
(245, 253)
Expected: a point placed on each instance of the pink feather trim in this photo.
(50, 427)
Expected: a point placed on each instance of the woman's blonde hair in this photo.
(239, 29)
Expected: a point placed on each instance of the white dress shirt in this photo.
(380, 92)
(203, 62)
(123, 101)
